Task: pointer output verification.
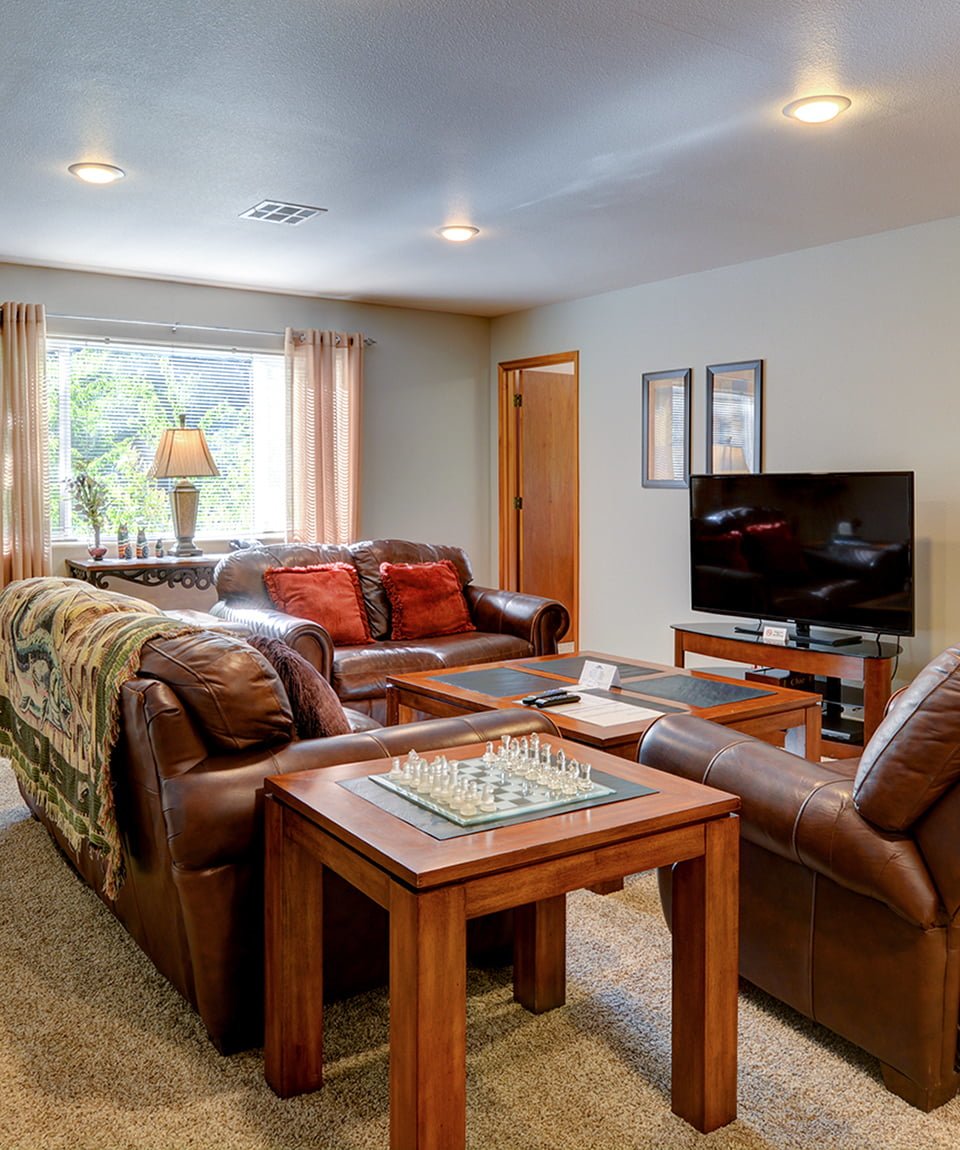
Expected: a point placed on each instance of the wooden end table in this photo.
(430, 888)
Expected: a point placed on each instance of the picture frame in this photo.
(735, 418)
(666, 428)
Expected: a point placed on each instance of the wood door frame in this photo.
(509, 444)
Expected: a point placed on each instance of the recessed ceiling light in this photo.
(459, 233)
(96, 173)
(817, 109)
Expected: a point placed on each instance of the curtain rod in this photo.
(175, 327)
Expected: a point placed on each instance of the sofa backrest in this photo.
(239, 576)
(913, 758)
(367, 557)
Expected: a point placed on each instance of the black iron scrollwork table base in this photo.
(172, 571)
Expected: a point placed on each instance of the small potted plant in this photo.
(91, 503)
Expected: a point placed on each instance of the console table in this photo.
(870, 663)
(174, 571)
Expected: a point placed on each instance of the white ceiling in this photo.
(596, 145)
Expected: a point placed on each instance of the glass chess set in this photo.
(519, 777)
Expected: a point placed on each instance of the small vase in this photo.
(96, 552)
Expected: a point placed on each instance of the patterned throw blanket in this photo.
(66, 649)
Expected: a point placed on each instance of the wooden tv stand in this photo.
(870, 663)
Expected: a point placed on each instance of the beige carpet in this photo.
(98, 1052)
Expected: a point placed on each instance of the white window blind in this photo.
(110, 402)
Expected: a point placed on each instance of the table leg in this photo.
(812, 747)
(705, 910)
(392, 717)
(293, 960)
(540, 954)
(428, 1019)
(877, 687)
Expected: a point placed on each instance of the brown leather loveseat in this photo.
(850, 876)
(202, 723)
(508, 625)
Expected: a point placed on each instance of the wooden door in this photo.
(540, 480)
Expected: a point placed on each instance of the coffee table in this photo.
(790, 718)
(430, 888)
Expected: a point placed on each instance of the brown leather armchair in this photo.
(850, 876)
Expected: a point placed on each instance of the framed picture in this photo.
(666, 428)
(735, 417)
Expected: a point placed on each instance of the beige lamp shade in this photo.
(183, 452)
(729, 459)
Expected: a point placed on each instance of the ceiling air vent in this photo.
(277, 212)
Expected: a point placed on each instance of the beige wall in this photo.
(860, 349)
(426, 458)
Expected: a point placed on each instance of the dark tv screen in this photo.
(833, 549)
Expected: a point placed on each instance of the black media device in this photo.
(831, 549)
(555, 700)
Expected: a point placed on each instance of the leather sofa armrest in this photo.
(542, 622)
(213, 809)
(429, 735)
(800, 810)
(307, 638)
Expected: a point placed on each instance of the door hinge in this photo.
(517, 399)
(518, 502)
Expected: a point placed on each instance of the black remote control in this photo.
(556, 700)
(529, 700)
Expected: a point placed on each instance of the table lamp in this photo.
(182, 453)
(729, 458)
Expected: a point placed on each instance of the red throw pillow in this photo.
(328, 594)
(425, 599)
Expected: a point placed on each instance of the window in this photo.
(109, 404)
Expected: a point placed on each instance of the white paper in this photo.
(599, 675)
(604, 712)
(777, 635)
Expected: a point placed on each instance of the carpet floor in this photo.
(98, 1051)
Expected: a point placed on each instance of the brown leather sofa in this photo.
(850, 876)
(202, 723)
(508, 625)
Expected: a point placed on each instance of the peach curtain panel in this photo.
(324, 371)
(24, 465)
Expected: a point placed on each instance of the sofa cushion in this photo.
(328, 594)
(912, 758)
(317, 711)
(425, 599)
(360, 673)
(235, 698)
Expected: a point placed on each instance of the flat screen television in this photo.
(833, 549)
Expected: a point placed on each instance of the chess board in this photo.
(508, 796)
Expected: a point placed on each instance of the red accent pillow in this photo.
(425, 599)
(328, 594)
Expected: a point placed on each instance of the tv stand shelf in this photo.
(868, 662)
